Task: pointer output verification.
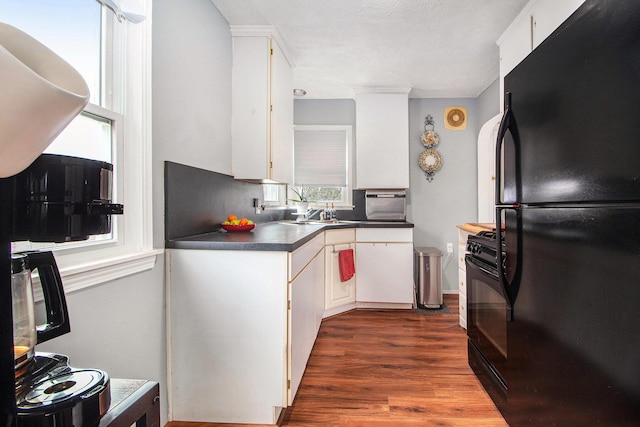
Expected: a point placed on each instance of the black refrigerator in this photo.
(568, 196)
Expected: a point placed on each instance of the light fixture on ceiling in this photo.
(299, 92)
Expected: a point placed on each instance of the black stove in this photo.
(484, 247)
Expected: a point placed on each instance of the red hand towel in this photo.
(345, 262)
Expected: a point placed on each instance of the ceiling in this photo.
(439, 48)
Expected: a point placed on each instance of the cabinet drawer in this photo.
(462, 304)
(384, 235)
(334, 237)
(299, 258)
(463, 322)
(461, 253)
(462, 283)
(462, 237)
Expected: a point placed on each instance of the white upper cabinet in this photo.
(261, 107)
(548, 15)
(516, 46)
(536, 22)
(382, 138)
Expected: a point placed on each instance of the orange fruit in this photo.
(244, 221)
(232, 218)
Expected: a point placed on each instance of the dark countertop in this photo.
(271, 236)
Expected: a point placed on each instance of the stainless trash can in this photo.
(427, 275)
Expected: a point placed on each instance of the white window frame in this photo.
(281, 201)
(347, 203)
(85, 264)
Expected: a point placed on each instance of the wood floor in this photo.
(374, 368)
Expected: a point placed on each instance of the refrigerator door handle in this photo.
(502, 278)
(511, 285)
(502, 131)
(507, 124)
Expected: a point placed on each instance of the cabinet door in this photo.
(281, 117)
(538, 20)
(250, 107)
(304, 318)
(462, 286)
(261, 110)
(513, 49)
(382, 140)
(548, 15)
(337, 292)
(385, 272)
(231, 322)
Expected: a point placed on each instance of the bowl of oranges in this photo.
(234, 224)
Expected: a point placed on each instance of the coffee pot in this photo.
(26, 334)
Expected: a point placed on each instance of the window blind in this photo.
(320, 158)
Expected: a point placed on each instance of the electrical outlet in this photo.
(449, 248)
(257, 206)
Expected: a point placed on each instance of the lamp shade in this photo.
(40, 93)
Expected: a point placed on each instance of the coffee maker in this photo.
(56, 199)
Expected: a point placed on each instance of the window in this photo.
(322, 169)
(274, 195)
(114, 59)
(71, 28)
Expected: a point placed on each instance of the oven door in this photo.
(488, 313)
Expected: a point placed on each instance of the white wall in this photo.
(191, 92)
(489, 103)
(119, 326)
(451, 198)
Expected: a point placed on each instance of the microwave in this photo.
(386, 205)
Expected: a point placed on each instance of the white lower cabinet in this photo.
(241, 324)
(384, 267)
(339, 296)
(240, 328)
(462, 280)
(307, 308)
